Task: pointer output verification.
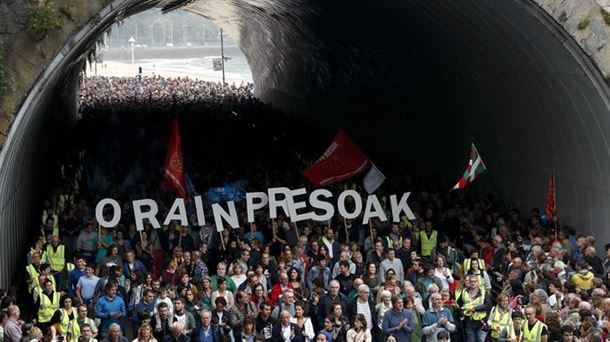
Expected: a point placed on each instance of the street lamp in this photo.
(132, 42)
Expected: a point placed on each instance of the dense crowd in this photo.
(103, 94)
(463, 270)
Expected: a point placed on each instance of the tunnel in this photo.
(415, 81)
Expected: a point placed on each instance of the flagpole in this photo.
(296, 229)
(222, 240)
(346, 232)
(556, 218)
(495, 188)
(180, 237)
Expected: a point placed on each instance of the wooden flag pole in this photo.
(99, 233)
(251, 231)
(371, 230)
(222, 241)
(180, 237)
(296, 229)
(556, 218)
(346, 231)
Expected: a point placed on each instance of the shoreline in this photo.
(125, 69)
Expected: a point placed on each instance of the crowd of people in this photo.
(102, 94)
(463, 270)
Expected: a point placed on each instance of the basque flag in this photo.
(474, 169)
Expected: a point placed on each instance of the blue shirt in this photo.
(87, 286)
(209, 337)
(391, 321)
(73, 280)
(104, 306)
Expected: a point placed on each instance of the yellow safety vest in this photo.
(74, 330)
(69, 267)
(470, 303)
(535, 334)
(38, 288)
(428, 244)
(56, 259)
(481, 281)
(47, 307)
(500, 322)
(33, 275)
(468, 261)
(65, 321)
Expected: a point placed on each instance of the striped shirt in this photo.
(365, 310)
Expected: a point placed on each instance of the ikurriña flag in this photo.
(473, 170)
(551, 205)
(174, 167)
(342, 159)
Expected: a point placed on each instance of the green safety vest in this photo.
(47, 307)
(74, 328)
(428, 244)
(56, 259)
(33, 275)
(468, 261)
(65, 321)
(535, 334)
(470, 303)
(500, 322)
(69, 267)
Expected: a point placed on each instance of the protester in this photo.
(274, 278)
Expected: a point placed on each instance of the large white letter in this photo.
(274, 203)
(220, 214)
(177, 212)
(318, 204)
(294, 206)
(373, 209)
(139, 216)
(116, 214)
(398, 208)
(251, 206)
(357, 204)
(199, 210)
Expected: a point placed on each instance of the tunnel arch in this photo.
(417, 81)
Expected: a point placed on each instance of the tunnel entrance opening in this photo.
(500, 73)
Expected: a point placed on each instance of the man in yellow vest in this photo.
(500, 317)
(48, 302)
(533, 329)
(428, 241)
(33, 271)
(74, 328)
(55, 254)
(49, 228)
(474, 303)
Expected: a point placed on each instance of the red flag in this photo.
(550, 199)
(174, 168)
(342, 159)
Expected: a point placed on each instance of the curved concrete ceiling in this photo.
(414, 81)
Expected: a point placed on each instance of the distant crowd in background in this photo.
(464, 270)
(105, 95)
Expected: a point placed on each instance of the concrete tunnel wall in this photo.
(414, 80)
